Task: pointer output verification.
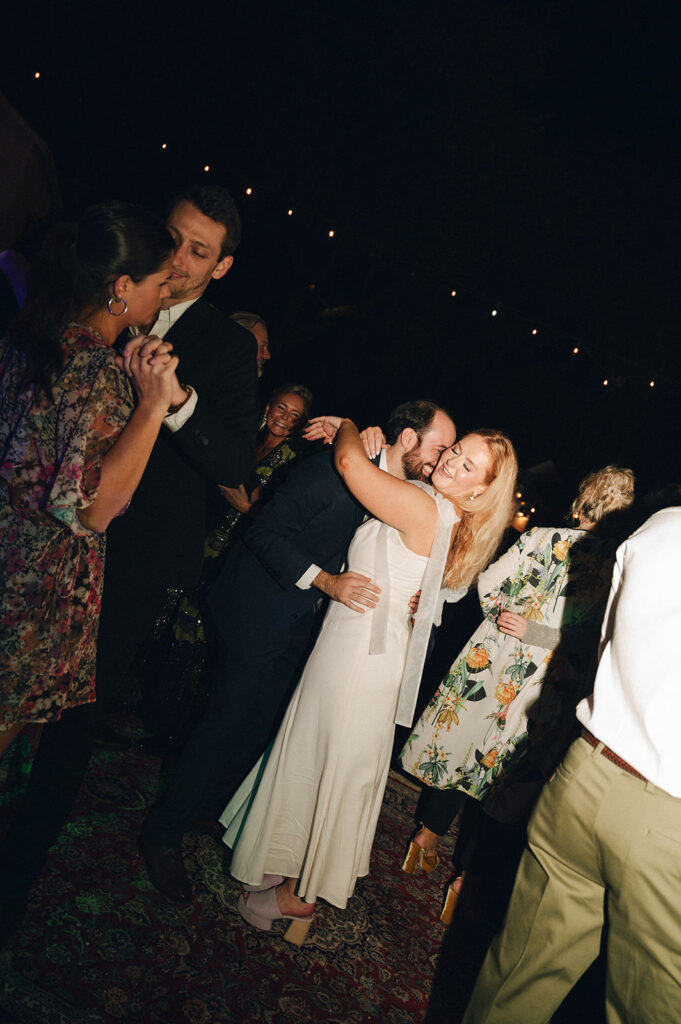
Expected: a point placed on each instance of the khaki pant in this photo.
(601, 844)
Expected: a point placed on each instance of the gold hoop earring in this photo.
(114, 298)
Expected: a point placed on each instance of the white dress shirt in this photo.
(165, 320)
(638, 684)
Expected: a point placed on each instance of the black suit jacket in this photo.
(310, 518)
(158, 542)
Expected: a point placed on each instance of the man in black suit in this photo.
(210, 440)
(207, 440)
(264, 604)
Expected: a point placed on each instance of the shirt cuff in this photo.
(305, 581)
(174, 420)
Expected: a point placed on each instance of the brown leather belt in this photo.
(611, 755)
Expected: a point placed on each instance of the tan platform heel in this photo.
(451, 899)
(417, 857)
(297, 931)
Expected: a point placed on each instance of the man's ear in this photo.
(409, 439)
(223, 266)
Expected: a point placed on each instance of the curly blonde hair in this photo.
(605, 491)
(484, 518)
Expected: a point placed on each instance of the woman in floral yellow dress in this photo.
(542, 602)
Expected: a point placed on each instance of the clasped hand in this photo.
(325, 428)
(148, 362)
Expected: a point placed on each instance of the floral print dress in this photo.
(51, 450)
(476, 725)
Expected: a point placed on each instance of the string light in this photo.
(533, 510)
(249, 191)
(605, 382)
(652, 384)
(453, 294)
(575, 351)
(290, 213)
(534, 330)
(37, 74)
(518, 494)
(331, 234)
(494, 312)
(164, 145)
(206, 168)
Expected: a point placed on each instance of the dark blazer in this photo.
(310, 518)
(159, 540)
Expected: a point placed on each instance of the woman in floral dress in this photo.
(73, 448)
(543, 602)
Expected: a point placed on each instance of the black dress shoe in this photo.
(166, 870)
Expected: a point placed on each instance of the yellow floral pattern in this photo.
(477, 722)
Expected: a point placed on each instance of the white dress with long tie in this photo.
(310, 809)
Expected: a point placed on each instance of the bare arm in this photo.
(411, 511)
(122, 467)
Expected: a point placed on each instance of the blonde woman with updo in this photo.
(543, 602)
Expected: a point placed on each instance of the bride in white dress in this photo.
(302, 824)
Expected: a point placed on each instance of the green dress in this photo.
(476, 724)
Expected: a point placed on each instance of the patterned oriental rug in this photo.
(101, 946)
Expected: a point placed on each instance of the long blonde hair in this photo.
(485, 517)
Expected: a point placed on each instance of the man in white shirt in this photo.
(605, 836)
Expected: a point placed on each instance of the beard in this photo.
(415, 468)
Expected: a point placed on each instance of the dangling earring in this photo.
(114, 298)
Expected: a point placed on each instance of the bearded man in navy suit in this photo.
(265, 605)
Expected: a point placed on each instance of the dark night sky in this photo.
(527, 154)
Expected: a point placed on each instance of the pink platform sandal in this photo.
(261, 909)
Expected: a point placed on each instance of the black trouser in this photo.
(251, 684)
(65, 746)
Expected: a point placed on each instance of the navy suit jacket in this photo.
(159, 541)
(310, 518)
